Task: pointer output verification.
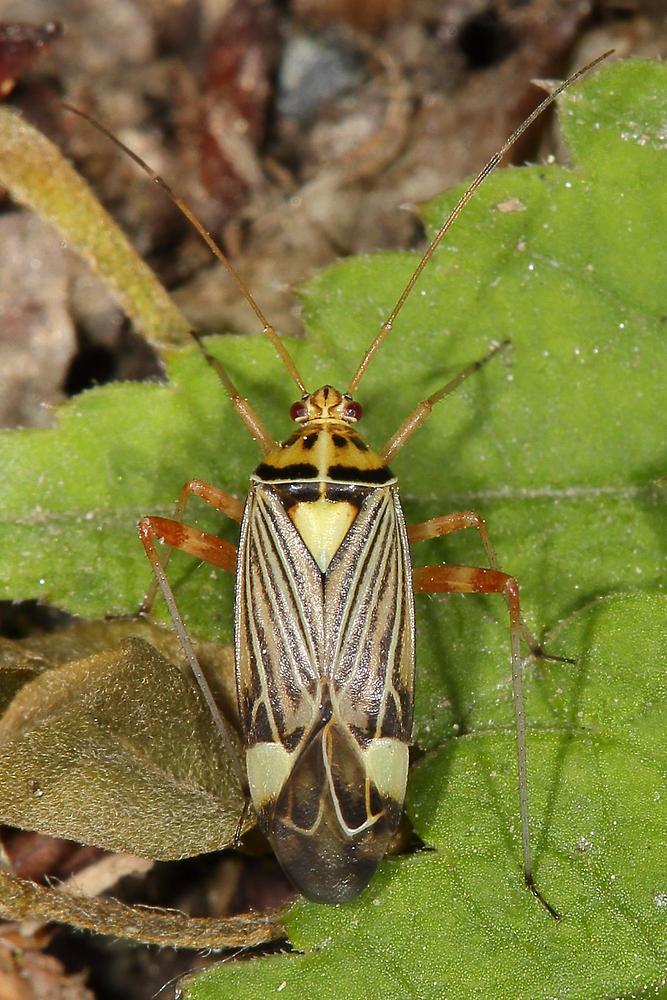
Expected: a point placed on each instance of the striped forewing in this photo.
(279, 623)
(369, 621)
(352, 626)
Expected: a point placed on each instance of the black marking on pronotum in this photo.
(352, 474)
(272, 473)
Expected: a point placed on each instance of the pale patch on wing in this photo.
(268, 766)
(387, 766)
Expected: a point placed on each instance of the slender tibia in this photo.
(223, 502)
(437, 527)
(447, 524)
(152, 529)
(199, 544)
(441, 579)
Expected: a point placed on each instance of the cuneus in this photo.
(324, 611)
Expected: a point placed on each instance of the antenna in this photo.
(215, 249)
(388, 324)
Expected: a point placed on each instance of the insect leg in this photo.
(473, 580)
(446, 525)
(216, 551)
(223, 502)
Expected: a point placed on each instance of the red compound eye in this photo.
(353, 410)
(298, 411)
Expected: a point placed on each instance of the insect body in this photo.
(325, 649)
(324, 620)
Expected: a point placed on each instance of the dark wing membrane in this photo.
(279, 625)
(369, 622)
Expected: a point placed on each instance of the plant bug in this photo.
(324, 609)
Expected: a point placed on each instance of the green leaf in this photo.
(454, 921)
(558, 443)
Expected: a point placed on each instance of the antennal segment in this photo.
(489, 167)
(216, 250)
